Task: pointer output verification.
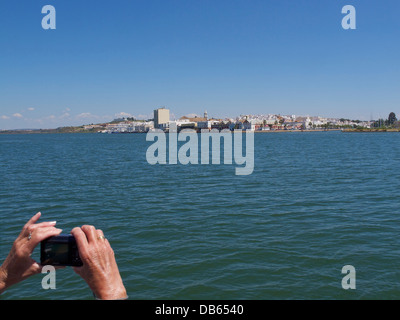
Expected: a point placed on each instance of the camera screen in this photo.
(56, 253)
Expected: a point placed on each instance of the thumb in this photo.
(34, 268)
(78, 270)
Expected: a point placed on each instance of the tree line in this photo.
(390, 122)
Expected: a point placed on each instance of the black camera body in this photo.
(60, 250)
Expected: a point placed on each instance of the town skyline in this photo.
(82, 119)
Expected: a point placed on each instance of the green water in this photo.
(314, 203)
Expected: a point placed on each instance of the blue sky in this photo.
(107, 58)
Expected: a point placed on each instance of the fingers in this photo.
(43, 233)
(85, 237)
(43, 224)
(31, 229)
(93, 235)
(100, 233)
(39, 234)
(90, 233)
(81, 242)
(33, 220)
(31, 225)
(35, 268)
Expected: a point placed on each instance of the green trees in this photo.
(392, 119)
(390, 122)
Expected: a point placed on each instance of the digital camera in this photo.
(60, 250)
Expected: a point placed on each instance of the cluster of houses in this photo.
(244, 122)
(267, 123)
(126, 126)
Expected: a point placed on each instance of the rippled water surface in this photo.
(314, 203)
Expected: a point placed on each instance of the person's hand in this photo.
(19, 265)
(99, 270)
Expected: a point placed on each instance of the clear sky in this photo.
(128, 57)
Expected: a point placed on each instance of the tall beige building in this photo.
(161, 118)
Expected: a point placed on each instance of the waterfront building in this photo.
(161, 118)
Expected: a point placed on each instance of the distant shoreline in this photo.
(64, 130)
(372, 130)
(302, 131)
(57, 131)
(48, 131)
